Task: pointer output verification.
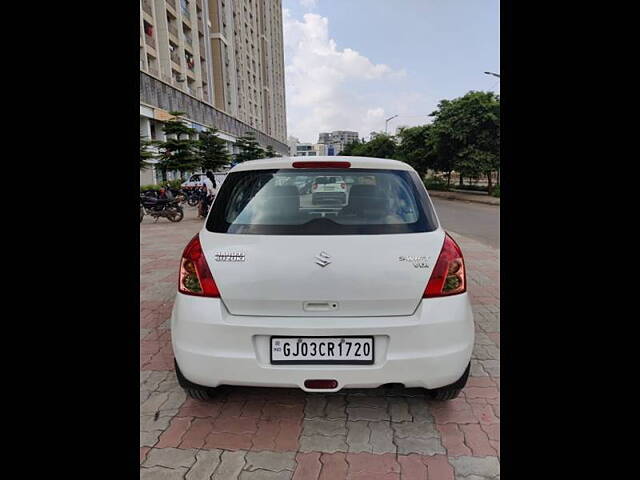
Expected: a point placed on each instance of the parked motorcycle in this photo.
(161, 207)
(194, 196)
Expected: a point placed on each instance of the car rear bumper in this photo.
(428, 349)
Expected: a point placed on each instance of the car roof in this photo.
(287, 162)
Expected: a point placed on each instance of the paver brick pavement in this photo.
(263, 433)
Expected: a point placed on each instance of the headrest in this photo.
(283, 200)
(285, 191)
(364, 191)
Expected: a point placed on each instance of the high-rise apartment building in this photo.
(219, 61)
(247, 61)
(337, 140)
(173, 44)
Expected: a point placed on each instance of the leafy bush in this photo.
(436, 183)
(473, 188)
(496, 191)
(174, 184)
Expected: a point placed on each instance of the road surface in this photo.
(475, 220)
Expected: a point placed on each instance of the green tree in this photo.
(271, 152)
(353, 149)
(145, 154)
(467, 134)
(381, 146)
(211, 150)
(177, 152)
(416, 148)
(441, 149)
(249, 148)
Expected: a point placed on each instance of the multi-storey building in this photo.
(219, 61)
(343, 136)
(297, 149)
(248, 62)
(173, 44)
(337, 140)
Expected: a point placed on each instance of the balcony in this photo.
(172, 3)
(185, 12)
(150, 41)
(147, 7)
(188, 39)
(175, 58)
(154, 71)
(173, 29)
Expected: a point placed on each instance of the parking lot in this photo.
(262, 433)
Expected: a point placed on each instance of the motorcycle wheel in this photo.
(192, 201)
(177, 215)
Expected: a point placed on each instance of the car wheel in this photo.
(449, 392)
(195, 391)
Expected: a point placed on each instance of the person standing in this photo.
(210, 182)
(211, 190)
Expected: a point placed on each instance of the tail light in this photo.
(343, 185)
(195, 276)
(448, 276)
(314, 186)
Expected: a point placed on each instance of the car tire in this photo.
(195, 391)
(449, 392)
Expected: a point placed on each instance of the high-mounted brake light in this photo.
(195, 275)
(448, 276)
(329, 164)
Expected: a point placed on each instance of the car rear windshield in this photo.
(322, 202)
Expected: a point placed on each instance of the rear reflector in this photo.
(321, 384)
(321, 164)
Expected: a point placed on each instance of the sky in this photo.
(350, 64)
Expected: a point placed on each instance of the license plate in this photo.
(322, 350)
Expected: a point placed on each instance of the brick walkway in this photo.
(265, 434)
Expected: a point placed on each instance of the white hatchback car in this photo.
(275, 294)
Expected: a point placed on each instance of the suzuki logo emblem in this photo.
(322, 259)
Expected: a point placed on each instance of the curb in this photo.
(465, 197)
